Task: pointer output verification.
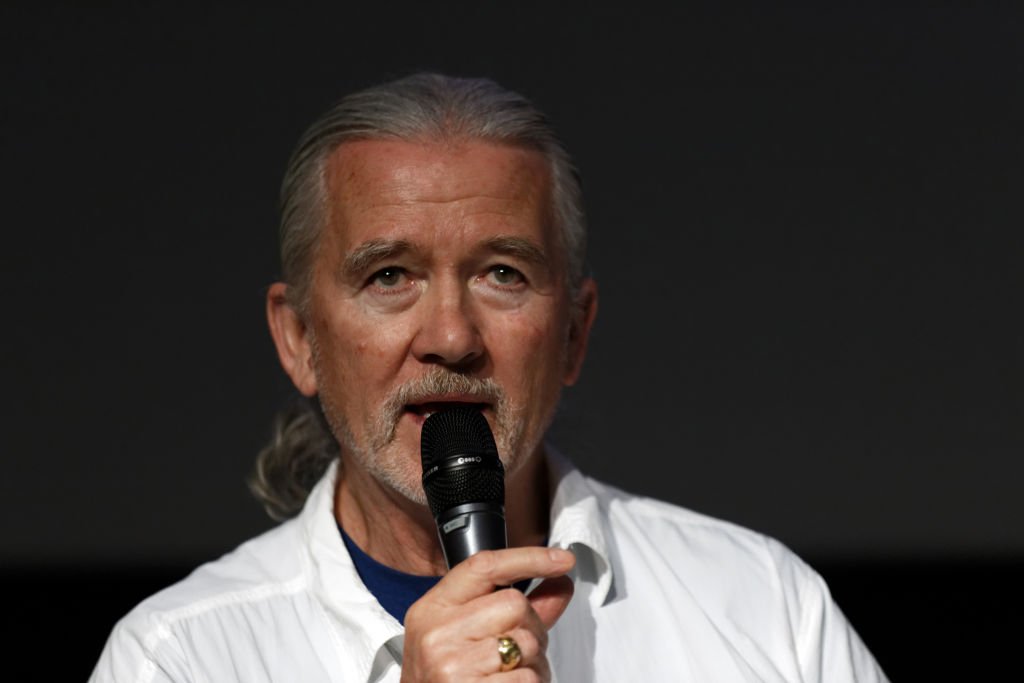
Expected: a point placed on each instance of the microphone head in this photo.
(460, 460)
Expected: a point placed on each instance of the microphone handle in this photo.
(467, 529)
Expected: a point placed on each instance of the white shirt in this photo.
(662, 594)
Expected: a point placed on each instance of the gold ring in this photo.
(510, 653)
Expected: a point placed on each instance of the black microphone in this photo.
(464, 481)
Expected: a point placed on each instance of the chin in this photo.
(400, 472)
(397, 466)
(412, 492)
(410, 485)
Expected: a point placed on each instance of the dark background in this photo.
(805, 222)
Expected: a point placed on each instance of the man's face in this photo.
(439, 279)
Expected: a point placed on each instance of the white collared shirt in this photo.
(662, 594)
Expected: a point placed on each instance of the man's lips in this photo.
(421, 411)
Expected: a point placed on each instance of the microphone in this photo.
(464, 481)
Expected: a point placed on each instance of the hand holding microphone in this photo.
(458, 630)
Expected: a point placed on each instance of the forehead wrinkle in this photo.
(400, 203)
(469, 197)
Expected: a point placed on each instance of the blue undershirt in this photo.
(394, 590)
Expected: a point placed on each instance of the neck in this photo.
(401, 534)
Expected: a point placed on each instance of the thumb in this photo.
(550, 599)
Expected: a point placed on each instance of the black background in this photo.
(805, 222)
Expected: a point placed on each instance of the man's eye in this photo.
(388, 277)
(506, 275)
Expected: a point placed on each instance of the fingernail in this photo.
(560, 556)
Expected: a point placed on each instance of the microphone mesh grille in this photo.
(457, 486)
(448, 435)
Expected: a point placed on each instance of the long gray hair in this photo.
(418, 107)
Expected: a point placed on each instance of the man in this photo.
(432, 246)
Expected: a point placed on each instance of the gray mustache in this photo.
(436, 381)
(446, 382)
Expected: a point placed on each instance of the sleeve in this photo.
(828, 649)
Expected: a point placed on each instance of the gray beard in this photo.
(393, 469)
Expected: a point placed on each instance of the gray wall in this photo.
(805, 225)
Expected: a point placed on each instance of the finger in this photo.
(538, 670)
(550, 599)
(499, 612)
(486, 652)
(533, 657)
(481, 658)
(489, 569)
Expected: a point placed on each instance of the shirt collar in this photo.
(578, 524)
(363, 626)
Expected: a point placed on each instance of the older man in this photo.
(432, 247)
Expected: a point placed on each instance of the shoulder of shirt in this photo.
(160, 633)
(264, 567)
(666, 527)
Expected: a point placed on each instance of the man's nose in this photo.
(449, 333)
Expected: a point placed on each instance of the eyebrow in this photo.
(374, 251)
(520, 248)
(370, 252)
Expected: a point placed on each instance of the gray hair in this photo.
(425, 107)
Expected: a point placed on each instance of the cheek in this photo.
(371, 351)
(340, 348)
(535, 351)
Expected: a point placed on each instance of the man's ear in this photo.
(292, 339)
(584, 309)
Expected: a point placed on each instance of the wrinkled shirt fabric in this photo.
(662, 594)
